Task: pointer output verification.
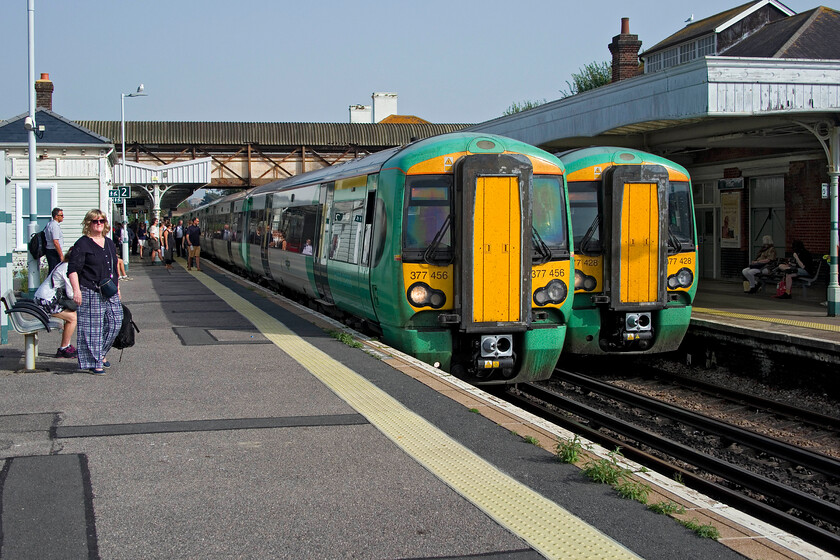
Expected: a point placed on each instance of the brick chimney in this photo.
(43, 92)
(625, 53)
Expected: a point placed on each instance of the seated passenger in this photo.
(802, 264)
(55, 296)
(766, 255)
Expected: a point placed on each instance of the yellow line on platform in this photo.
(544, 525)
(791, 322)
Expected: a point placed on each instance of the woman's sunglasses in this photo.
(99, 221)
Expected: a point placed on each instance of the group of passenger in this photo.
(767, 264)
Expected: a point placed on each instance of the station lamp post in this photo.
(138, 93)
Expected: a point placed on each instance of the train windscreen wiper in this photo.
(429, 253)
(674, 241)
(543, 253)
(587, 238)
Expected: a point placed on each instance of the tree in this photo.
(591, 76)
(516, 107)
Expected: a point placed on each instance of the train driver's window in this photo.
(583, 202)
(549, 212)
(680, 223)
(427, 217)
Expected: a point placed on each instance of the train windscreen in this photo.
(586, 223)
(549, 211)
(680, 225)
(428, 227)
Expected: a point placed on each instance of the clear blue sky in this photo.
(269, 61)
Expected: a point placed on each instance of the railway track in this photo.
(803, 514)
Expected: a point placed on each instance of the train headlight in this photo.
(685, 277)
(682, 279)
(584, 282)
(553, 292)
(421, 294)
(580, 277)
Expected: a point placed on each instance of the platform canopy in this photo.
(165, 185)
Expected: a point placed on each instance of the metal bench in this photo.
(28, 318)
(806, 281)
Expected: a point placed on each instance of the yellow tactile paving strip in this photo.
(781, 321)
(547, 527)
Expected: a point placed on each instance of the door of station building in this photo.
(708, 240)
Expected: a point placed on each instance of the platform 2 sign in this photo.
(119, 192)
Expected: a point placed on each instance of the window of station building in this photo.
(46, 200)
(653, 63)
(427, 217)
(670, 58)
(706, 46)
(586, 216)
(549, 216)
(706, 193)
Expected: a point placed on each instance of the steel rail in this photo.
(782, 450)
(808, 416)
(765, 511)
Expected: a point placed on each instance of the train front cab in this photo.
(635, 265)
(478, 310)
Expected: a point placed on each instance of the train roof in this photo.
(402, 156)
(579, 158)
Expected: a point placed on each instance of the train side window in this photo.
(380, 230)
(586, 214)
(549, 212)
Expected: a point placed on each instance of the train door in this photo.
(639, 243)
(346, 244)
(319, 266)
(365, 295)
(496, 204)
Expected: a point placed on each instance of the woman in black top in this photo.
(93, 260)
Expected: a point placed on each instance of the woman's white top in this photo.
(59, 280)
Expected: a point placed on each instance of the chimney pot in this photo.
(45, 76)
(625, 26)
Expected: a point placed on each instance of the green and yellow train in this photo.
(455, 248)
(635, 250)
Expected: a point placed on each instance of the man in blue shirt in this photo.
(55, 239)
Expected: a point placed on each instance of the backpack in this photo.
(38, 245)
(125, 337)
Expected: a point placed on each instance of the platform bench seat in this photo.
(28, 318)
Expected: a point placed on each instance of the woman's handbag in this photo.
(67, 303)
(107, 288)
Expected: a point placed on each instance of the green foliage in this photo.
(704, 531)
(591, 76)
(517, 107)
(569, 451)
(667, 508)
(475, 411)
(606, 471)
(346, 339)
(532, 440)
(633, 490)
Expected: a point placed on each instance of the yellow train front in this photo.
(635, 251)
